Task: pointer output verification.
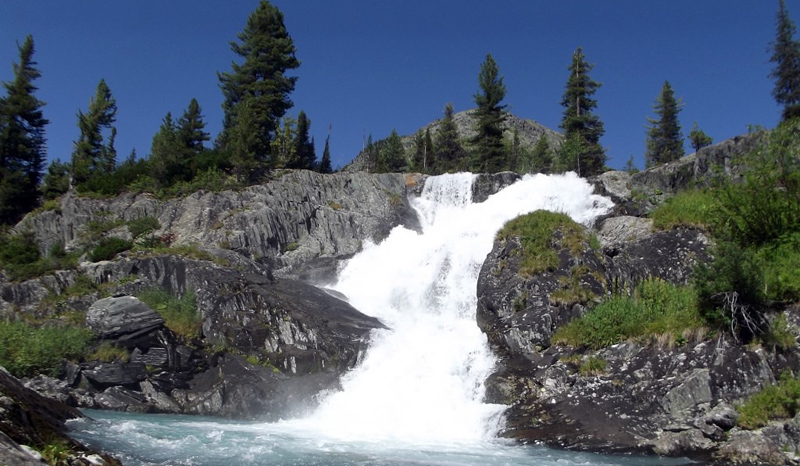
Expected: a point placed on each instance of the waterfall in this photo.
(422, 380)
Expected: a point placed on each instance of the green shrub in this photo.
(108, 248)
(180, 314)
(537, 234)
(779, 401)
(766, 205)
(143, 225)
(657, 308)
(26, 350)
(730, 290)
(95, 229)
(781, 264)
(692, 208)
(19, 249)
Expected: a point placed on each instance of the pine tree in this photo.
(257, 91)
(304, 154)
(541, 158)
(490, 154)
(56, 180)
(579, 120)
(167, 153)
(191, 128)
(450, 155)
(325, 165)
(22, 139)
(699, 139)
(392, 156)
(786, 56)
(664, 137)
(91, 156)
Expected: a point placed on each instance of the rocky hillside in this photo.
(529, 133)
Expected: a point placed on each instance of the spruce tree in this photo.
(541, 158)
(698, 138)
(579, 120)
(304, 154)
(450, 155)
(786, 56)
(392, 156)
(91, 155)
(664, 137)
(491, 154)
(325, 164)
(256, 92)
(22, 139)
(56, 180)
(191, 128)
(166, 153)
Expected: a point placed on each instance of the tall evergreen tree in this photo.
(579, 120)
(392, 155)
(91, 155)
(191, 128)
(450, 155)
(325, 164)
(22, 139)
(56, 180)
(304, 154)
(166, 153)
(257, 91)
(664, 137)
(786, 56)
(541, 158)
(490, 152)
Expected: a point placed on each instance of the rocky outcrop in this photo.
(267, 346)
(30, 422)
(661, 396)
(285, 223)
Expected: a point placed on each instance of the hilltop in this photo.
(528, 131)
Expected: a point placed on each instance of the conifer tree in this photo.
(256, 92)
(166, 153)
(304, 154)
(56, 180)
(579, 120)
(325, 164)
(191, 128)
(392, 155)
(664, 137)
(698, 138)
(786, 56)
(91, 155)
(22, 139)
(490, 152)
(450, 155)
(541, 157)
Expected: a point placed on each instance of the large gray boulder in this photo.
(122, 317)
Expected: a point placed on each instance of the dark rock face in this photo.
(490, 183)
(269, 345)
(28, 418)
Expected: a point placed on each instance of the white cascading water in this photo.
(422, 381)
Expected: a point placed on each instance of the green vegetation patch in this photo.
(692, 208)
(537, 234)
(180, 314)
(107, 248)
(143, 225)
(779, 401)
(26, 350)
(657, 308)
(108, 352)
(21, 259)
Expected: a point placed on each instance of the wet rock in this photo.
(490, 183)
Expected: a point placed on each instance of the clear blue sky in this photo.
(370, 66)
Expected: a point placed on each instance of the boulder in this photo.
(122, 317)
